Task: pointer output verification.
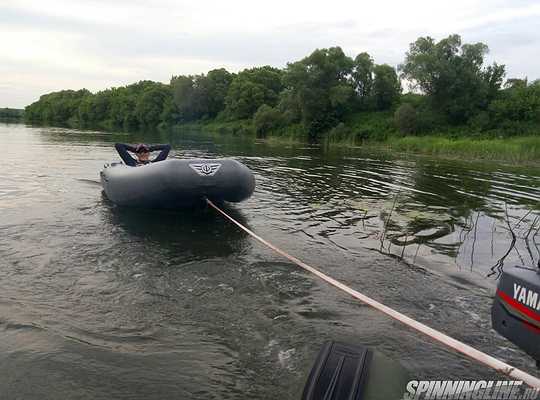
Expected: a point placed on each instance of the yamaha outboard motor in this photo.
(516, 311)
(352, 372)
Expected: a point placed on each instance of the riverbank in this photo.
(513, 150)
(379, 135)
(516, 150)
(11, 114)
(332, 99)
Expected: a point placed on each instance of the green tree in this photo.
(218, 82)
(151, 104)
(56, 107)
(113, 108)
(452, 75)
(321, 87)
(405, 119)
(93, 110)
(11, 113)
(200, 96)
(266, 119)
(289, 107)
(252, 88)
(386, 86)
(121, 109)
(362, 76)
(517, 109)
(185, 98)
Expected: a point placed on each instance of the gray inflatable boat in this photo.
(176, 183)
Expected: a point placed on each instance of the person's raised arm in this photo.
(122, 150)
(164, 151)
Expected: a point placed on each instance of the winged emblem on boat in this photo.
(205, 169)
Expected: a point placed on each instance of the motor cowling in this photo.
(516, 310)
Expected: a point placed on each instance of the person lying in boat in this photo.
(142, 152)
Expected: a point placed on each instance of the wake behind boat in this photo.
(177, 183)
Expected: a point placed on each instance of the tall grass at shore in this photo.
(377, 133)
(515, 150)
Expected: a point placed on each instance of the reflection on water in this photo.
(98, 301)
(428, 212)
(197, 233)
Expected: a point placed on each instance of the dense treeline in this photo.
(8, 114)
(324, 94)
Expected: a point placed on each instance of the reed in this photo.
(515, 150)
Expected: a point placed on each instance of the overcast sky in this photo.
(49, 45)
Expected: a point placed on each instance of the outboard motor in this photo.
(516, 310)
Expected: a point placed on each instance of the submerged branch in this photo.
(388, 221)
(498, 266)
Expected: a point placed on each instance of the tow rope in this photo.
(440, 337)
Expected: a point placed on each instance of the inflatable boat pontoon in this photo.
(177, 183)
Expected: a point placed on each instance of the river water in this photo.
(99, 302)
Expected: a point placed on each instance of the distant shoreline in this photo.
(459, 105)
(11, 114)
(513, 150)
(519, 150)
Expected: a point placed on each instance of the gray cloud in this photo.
(157, 54)
(515, 43)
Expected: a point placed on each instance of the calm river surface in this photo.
(98, 302)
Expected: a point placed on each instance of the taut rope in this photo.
(440, 337)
